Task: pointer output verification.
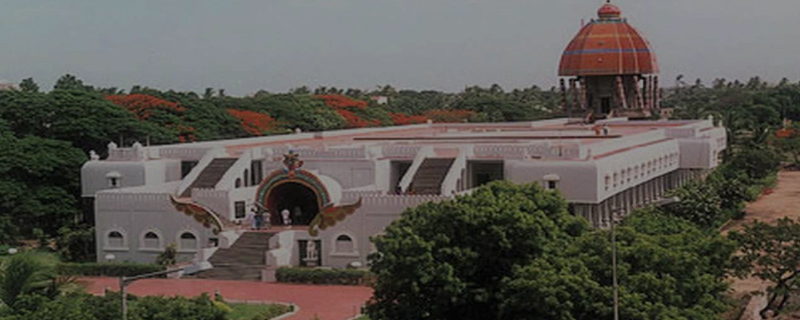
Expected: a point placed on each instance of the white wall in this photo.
(135, 213)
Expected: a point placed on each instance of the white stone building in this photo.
(198, 195)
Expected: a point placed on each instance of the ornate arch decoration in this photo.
(328, 215)
(293, 174)
(199, 213)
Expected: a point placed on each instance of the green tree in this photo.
(26, 273)
(76, 243)
(28, 85)
(448, 260)
(40, 182)
(699, 203)
(757, 162)
(770, 253)
(71, 83)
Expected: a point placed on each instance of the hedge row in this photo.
(349, 277)
(109, 269)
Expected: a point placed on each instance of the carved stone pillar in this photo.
(639, 96)
(564, 96)
(621, 94)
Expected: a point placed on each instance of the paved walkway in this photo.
(327, 302)
(784, 201)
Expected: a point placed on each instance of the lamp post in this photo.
(125, 281)
(621, 211)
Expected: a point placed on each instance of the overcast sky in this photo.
(244, 46)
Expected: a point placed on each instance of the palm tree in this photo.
(29, 272)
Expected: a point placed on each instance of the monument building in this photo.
(251, 205)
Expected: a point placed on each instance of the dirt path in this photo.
(783, 202)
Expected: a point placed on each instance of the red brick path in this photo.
(328, 302)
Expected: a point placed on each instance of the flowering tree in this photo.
(254, 123)
(402, 119)
(143, 105)
(350, 109)
(338, 101)
(450, 116)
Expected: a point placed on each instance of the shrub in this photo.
(169, 256)
(114, 269)
(350, 277)
(700, 203)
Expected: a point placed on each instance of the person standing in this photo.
(259, 219)
(285, 214)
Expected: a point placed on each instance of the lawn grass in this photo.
(245, 311)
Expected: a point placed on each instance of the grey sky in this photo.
(244, 46)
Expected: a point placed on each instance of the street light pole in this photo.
(614, 260)
(621, 211)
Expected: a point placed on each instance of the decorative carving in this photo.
(200, 214)
(292, 162)
(330, 215)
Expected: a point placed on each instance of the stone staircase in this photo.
(244, 260)
(210, 176)
(430, 175)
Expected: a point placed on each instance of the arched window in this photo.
(188, 241)
(115, 239)
(238, 183)
(344, 244)
(244, 177)
(151, 240)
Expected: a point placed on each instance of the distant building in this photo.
(381, 100)
(7, 85)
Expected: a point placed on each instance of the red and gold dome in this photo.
(608, 46)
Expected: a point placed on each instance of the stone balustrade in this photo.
(138, 202)
(182, 153)
(216, 200)
(400, 151)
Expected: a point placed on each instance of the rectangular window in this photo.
(552, 185)
(239, 209)
(256, 172)
(186, 167)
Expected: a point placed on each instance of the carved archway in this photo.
(292, 190)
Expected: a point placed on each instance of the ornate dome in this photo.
(608, 46)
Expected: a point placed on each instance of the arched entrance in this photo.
(301, 201)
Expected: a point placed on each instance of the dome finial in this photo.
(609, 11)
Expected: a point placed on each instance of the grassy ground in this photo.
(243, 311)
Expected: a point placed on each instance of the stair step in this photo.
(244, 260)
(210, 175)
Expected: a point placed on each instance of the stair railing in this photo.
(408, 178)
(454, 174)
(228, 179)
(201, 165)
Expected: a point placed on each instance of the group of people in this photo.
(259, 219)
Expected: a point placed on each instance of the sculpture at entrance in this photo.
(311, 252)
(330, 215)
(292, 162)
(199, 213)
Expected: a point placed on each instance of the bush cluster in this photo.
(349, 277)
